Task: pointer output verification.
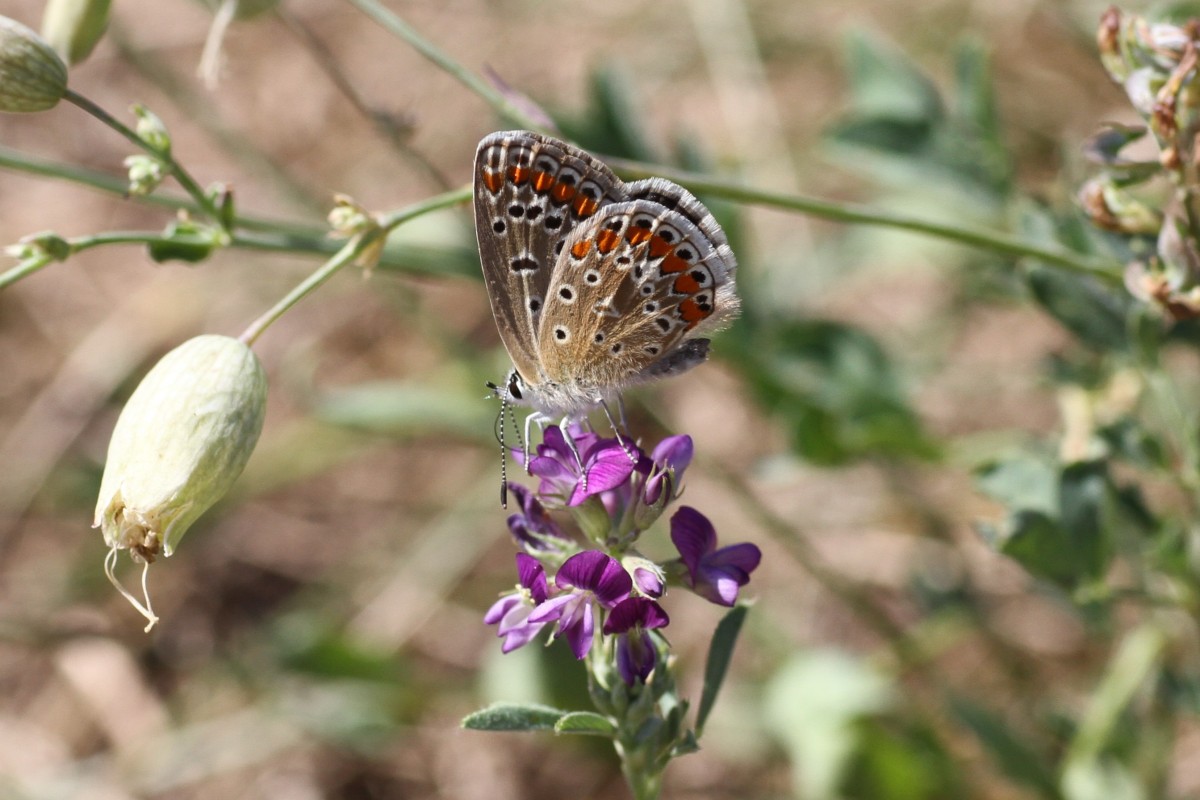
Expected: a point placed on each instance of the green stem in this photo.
(1103, 269)
(23, 270)
(347, 255)
(351, 252)
(176, 170)
(32, 265)
(494, 98)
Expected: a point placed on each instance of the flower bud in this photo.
(151, 130)
(32, 76)
(1114, 209)
(72, 27)
(179, 444)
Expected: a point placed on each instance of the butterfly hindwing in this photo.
(633, 284)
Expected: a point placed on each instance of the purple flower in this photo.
(632, 618)
(606, 465)
(713, 574)
(671, 457)
(649, 580)
(586, 579)
(513, 610)
(531, 526)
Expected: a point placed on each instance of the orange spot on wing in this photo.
(673, 263)
(607, 241)
(692, 313)
(542, 181)
(660, 247)
(562, 192)
(493, 180)
(585, 206)
(580, 248)
(636, 235)
(518, 175)
(686, 284)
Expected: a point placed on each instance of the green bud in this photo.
(72, 27)
(32, 76)
(46, 244)
(179, 444)
(146, 172)
(151, 130)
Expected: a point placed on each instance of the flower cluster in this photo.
(615, 492)
(1142, 192)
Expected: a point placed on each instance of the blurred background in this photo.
(321, 631)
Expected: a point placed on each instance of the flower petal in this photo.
(693, 535)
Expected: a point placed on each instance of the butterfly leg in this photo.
(629, 451)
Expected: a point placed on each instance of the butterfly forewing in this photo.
(530, 193)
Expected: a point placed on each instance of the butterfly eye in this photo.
(567, 295)
(553, 223)
(499, 227)
(591, 276)
(685, 253)
(535, 304)
(562, 334)
(650, 307)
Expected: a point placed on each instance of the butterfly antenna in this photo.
(498, 432)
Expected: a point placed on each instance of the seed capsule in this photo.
(178, 446)
(32, 76)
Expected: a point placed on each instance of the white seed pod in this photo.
(32, 76)
(179, 444)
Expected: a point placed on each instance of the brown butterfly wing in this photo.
(531, 191)
(633, 285)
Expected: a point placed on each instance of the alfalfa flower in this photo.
(32, 76)
(179, 444)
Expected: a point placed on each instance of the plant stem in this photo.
(1103, 269)
(494, 98)
(176, 170)
(32, 265)
(351, 252)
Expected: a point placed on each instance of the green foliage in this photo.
(834, 389)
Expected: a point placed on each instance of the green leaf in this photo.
(1041, 546)
(885, 83)
(586, 723)
(512, 717)
(1094, 313)
(183, 241)
(835, 388)
(1024, 482)
(397, 407)
(814, 705)
(1087, 514)
(720, 651)
(1014, 758)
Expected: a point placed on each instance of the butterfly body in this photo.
(596, 285)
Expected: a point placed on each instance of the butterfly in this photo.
(596, 285)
